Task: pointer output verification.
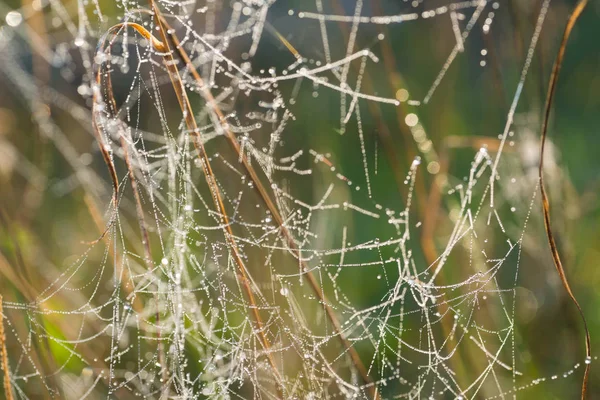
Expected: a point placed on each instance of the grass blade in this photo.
(266, 198)
(545, 203)
(7, 387)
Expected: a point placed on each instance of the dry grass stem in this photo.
(546, 203)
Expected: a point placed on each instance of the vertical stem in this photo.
(139, 210)
(243, 275)
(262, 191)
(7, 387)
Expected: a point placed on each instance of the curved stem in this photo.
(545, 203)
(273, 209)
(243, 275)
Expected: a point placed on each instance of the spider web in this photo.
(160, 307)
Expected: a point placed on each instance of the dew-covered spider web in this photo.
(266, 204)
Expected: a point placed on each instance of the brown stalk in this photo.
(105, 154)
(262, 191)
(545, 203)
(143, 228)
(133, 179)
(138, 204)
(7, 387)
(136, 304)
(182, 98)
(184, 103)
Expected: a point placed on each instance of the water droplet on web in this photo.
(411, 119)
(79, 41)
(14, 18)
(83, 90)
